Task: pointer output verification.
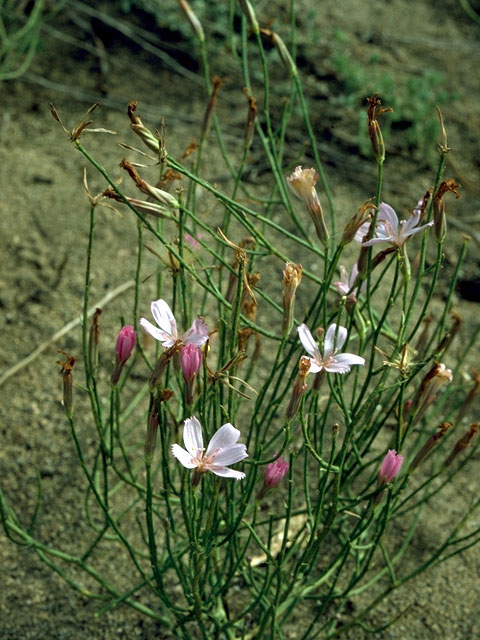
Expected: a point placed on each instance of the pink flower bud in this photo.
(191, 357)
(391, 465)
(274, 473)
(191, 360)
(126, 341)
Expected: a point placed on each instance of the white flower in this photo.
(330, 361)
(167, 333)
(389, 229)
(221, 451)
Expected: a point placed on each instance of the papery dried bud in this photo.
(249, 301)
(439, 216)
(429, 444)
(251, 117)
(462, 444)
(436, 378)
(443, 145)
(152, 429)
(244, 335)
(162, 363)
(138, 127)
(470, 398)
(273, 475)
(423, 339)
(283, 52)
(192, 18)
(159, 195)
(292, 276)
(250, 15)
(149, 208)
(211, 104)
(452, 332)
(67, 368)
(126, 341)
(374, 131)
(93, 341)
(299, 387)
(362, 217)
(302, 182)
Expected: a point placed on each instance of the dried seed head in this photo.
(374, 131)
(67, 368)
(439, 216)
(462, 444)
(251, 117)
(429, 445)
(292, 276)
(250, 15)
(299, 388)
(363, 215)
(192, 18)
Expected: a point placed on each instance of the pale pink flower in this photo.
(330, 360)
(390, 467)
(346, 282)
(167, 333)
(222, 450)
(389, 229)
(193, 241)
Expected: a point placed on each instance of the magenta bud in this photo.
(391, 465)
(191, 357)
(274, 473)
(126, 341)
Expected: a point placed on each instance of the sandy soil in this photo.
(43, 234)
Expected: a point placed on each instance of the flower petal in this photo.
(225, 437)
(192, 435)
(315, 365)
(230, 455)
(373, 241)
(164, 318)
(225, 472)
(197, 334)
(411, 231)
(157, 333)
(329, 343)
(307, 341)
(387, 213)
(344, 361)
(183, 456)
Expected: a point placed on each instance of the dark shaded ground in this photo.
(43, 232)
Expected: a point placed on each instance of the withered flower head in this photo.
(374, 131)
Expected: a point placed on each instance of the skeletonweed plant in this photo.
(317, 466)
